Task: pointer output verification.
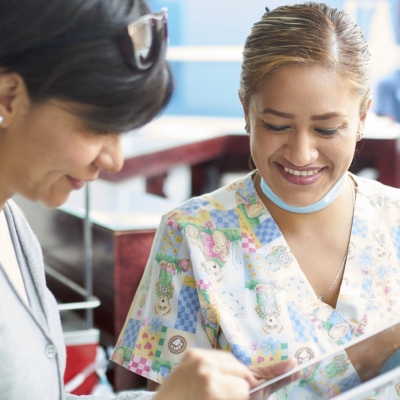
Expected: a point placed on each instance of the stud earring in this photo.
(359, 135)
(1, 119)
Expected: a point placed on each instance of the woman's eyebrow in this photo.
(326, 116)
(321, 117)
(278, 113)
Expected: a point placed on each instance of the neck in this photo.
(312, 220)
(324, 202)
(5, 193)
(5, 187)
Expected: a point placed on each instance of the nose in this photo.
(300, 150)
(110, 159)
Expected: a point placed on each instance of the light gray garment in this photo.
(32, 349)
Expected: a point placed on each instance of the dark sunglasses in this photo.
(139, 43)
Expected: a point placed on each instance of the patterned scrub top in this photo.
(221, 275)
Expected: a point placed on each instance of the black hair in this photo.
(111, 95)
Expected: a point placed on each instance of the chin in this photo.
(54, 201)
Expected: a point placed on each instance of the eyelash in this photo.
(324, 132)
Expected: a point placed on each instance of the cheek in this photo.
(339, 149)
(71, 157)
(263, 146)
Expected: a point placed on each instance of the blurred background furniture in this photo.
(122, 238)
(213, 146)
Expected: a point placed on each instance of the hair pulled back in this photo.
(303, 34)
(91, 73)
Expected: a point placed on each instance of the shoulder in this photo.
(19, 225)
(14, 213)
(222, 199)
(378, 193)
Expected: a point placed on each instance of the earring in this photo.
(1, 119)
(246, 128)
(359, 135)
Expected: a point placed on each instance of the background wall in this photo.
(210, 87)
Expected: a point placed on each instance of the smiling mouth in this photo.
(76, 183)
(301, 173)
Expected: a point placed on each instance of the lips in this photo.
(76, 183)
(302, 172)
(303, 176)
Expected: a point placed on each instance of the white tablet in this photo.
(386, 384)
(375, 357)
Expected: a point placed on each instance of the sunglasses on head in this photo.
(139, 43)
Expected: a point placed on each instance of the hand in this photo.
(207, 375)
(215, 375)
(267, 372)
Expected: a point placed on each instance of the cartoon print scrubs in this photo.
(221, 275)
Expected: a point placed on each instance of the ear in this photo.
(13, 97)
(363, 117)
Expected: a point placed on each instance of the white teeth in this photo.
(301, 173)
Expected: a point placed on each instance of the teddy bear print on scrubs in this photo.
(278, 258)
(213, 269)
(239, 185)
(253, 207)
(209, 311)
(267, 308)
(382, 252)
(165, 288)
(214, 245)
(193, 233)
(220, 245)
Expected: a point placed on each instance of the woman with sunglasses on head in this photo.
(74, 74)
(300, 256)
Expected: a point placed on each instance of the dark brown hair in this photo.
(113, 96)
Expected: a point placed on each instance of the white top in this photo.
(8, 259)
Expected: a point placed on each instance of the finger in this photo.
(220, 361)
(271, 371)
(229, 364)
(284, 382)
(228, 387)
(264, 393)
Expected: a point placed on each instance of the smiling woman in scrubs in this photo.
(74, 75)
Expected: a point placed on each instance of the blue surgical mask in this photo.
(329, 198)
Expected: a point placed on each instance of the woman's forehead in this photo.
(305, 77)
(304, 87)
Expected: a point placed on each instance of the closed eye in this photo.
(275, 128)
(328, 132)
(281, 128)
